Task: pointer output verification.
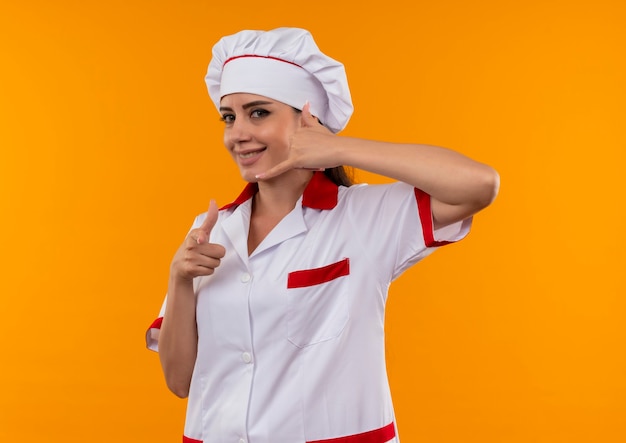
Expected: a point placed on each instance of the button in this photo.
(245, 277)
(241, 440)
(246, 357)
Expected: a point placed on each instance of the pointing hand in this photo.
(196, 256)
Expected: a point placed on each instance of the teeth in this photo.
(251, 154)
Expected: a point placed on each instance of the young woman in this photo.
(273, 325)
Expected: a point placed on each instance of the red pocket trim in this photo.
(311, 277)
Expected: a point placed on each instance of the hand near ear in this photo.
(196, 256)
(308, 120)
(312, 146)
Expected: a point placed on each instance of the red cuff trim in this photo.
(156, 324)
(380, 435)
(311, 277)
(190, 440)
(426, 218)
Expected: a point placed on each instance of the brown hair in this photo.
(340, 176)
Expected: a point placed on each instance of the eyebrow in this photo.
(248, 105)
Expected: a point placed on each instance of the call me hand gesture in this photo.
(311, 147)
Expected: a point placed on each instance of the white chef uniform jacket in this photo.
(291, 338)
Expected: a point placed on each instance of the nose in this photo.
(237, 132)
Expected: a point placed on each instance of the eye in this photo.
(259, 113)
(228, 118)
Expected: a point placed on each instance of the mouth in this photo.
(250, 154)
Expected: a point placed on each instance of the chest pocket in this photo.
(318, 303)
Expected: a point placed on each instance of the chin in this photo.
(250, 176)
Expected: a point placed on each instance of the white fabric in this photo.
(284, 64)
(296, 365)
(276, 79)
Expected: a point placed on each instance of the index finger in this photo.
(276, 170)
(209, 222)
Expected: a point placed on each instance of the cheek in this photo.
(274, 137)
(284, 134)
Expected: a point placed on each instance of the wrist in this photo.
(180, 284)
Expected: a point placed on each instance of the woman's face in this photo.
(257, 131)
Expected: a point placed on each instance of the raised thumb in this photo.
(308, 119)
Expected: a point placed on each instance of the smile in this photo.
(250, 154)
(248, 158)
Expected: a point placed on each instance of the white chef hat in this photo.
(283, 64)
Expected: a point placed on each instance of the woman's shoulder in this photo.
(369, 190)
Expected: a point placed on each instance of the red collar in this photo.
(320, 193)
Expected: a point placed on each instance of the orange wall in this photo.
(109, 147)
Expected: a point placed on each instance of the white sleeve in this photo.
(394, 223)
(152, 334)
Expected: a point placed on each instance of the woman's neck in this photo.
(279, 196)
(274, 200)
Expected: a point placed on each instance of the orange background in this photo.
(110, 146)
